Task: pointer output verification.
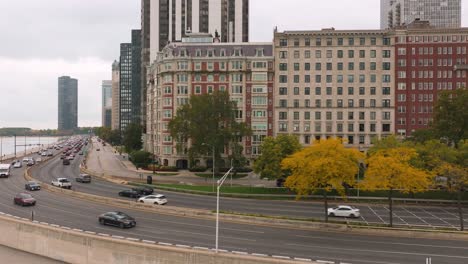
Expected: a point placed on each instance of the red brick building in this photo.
(427, 61)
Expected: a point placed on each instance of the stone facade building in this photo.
(185, 69)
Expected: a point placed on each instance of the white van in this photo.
(5, 170)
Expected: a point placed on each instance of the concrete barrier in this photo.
(78, 246)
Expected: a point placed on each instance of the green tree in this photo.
(385, 143)
(209, 122)
(451, 115)
(391, 169)
(132, 137)
(274, 150)
(422, 135)
(325, 165)
(140, 158)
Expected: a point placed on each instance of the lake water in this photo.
(7, 144)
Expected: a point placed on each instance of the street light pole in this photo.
(219, 183)
(214, 157)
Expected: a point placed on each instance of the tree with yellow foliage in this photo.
(325, 165)
(392, 169)
(457, 181)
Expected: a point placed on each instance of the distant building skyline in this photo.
(439, 13)
(67, 103)
(106, 103)
(130, 81)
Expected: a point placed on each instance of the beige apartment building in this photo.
(199, 66)
(334, 83)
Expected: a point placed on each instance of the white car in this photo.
(18, 164)
(26, 159)
(62, 183)
(158, 199)
(344, 211)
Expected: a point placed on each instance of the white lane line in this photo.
(381, 251)
(397, 216)
(375, 213)
(380, 242)
(441, 219)
(420, 219)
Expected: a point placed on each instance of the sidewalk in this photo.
(107, 161)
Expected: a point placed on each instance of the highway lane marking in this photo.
(353, 260)
(396, 215)
(381, 242)
(382, 251)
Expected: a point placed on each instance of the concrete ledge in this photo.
(83, 247)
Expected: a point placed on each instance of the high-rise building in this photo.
(130, 81)
(171, 19)
(67, 103)
(145, 55)
(245, 70)
(106, 103)
(334, 83)
(439, 13)
(115, 124)
(427, 61)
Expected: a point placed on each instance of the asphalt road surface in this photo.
(427, 216)
(349, 248)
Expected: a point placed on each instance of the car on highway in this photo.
(18, 164)
(31, 162)
(83, 178)
(43, 153)
(32, 186)
(344, 211)
(130, 193)
(62, 183)
(24, 199)
(50, 154)
(157, 199)
(66, 162)
(119, 219)
(39, 160)
(143, 190)
(26, 159)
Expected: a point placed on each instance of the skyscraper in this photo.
(439, 13)
(145, 55)
(172, 19)
(130, 81)
(106, 103)
(115, 95)
(67, 103)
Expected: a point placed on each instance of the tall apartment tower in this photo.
(67, 103)
(145, 55)
(172, 19)
(439, 13)
(130, 81)
(115, 95)
(106, 103)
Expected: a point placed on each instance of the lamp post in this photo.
(219, 183)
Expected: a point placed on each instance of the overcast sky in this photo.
(44, 39)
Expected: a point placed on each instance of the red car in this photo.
(24, 199)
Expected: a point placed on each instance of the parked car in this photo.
(81, 153)
(18, 164)
(31, 162)
(50, 154)
(26, 159)
(143, 190)
(158, 199)
(24, 199)
(32, 186)
(66, 162)
(83, 178)
(62, 183)
(39, 160)
(130, 193)
(119, 219)
(344, 211)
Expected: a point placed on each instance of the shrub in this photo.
(141, 159)
(198, 169)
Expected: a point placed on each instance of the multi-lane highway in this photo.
(350, 248)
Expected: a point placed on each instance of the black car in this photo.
(119, 219)
(32, 186)
(143, 190)
(66, 162)
(130, 193)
